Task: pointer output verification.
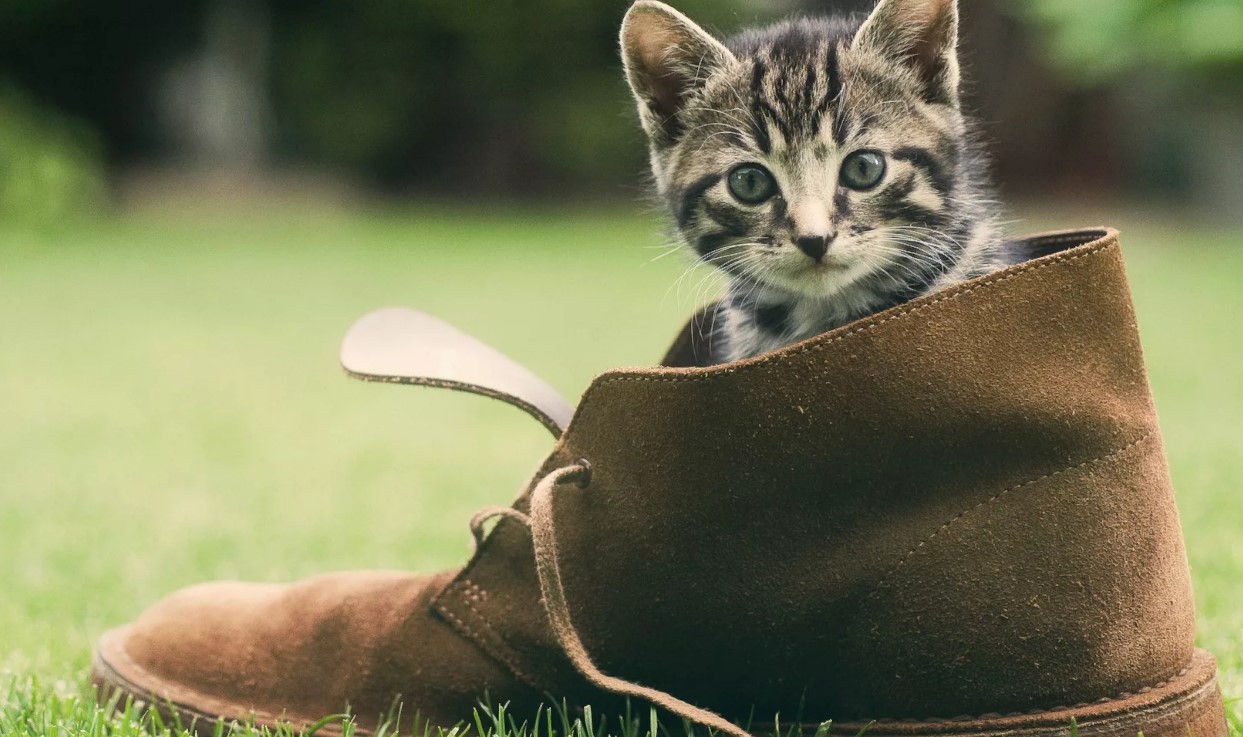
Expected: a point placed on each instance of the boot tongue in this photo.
(405, 346)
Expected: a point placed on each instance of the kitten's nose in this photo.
(813, 245)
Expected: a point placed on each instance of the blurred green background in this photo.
(197, 198)
(121, 102)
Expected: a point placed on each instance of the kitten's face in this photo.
(813, 157)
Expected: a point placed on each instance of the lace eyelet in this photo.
(584, 477)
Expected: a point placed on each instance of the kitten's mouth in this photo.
(813, 278)
(826, 267)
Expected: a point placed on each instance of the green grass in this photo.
(171, 409)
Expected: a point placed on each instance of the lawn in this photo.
(171, 409)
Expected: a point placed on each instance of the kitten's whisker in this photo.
(709, 281)
(677, 283)
(732, 113)
(713, 124)
(668, 251)
(709, 138)
(900, 257)
(716, 124)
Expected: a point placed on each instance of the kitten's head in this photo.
(816, 156)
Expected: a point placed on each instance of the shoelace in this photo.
(544, 540)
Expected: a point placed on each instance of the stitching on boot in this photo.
(443, 606)
(487, 644)
(1104, 244)
(487, 627)
(902, 561)
(476, 594)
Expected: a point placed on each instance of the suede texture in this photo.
(959, 506)
(298, 652)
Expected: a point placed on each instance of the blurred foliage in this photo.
(438, 95)
(504, 96)
(451, 92)
(1096, 40)
(50, 167)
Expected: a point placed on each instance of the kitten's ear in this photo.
(667, 58)
(924, 33)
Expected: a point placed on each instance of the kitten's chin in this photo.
(819, 281)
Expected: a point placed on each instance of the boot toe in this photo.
(296, 653)
(211, 650)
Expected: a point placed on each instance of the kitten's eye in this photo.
(863, 170)
(751, 183)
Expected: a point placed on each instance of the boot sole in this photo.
(172, 701)
(1187, 705)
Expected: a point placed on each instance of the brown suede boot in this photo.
(951, 518)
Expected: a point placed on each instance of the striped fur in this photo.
(797, 99)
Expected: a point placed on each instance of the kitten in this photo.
(825, 165)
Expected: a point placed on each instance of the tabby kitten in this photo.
(825, 165)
